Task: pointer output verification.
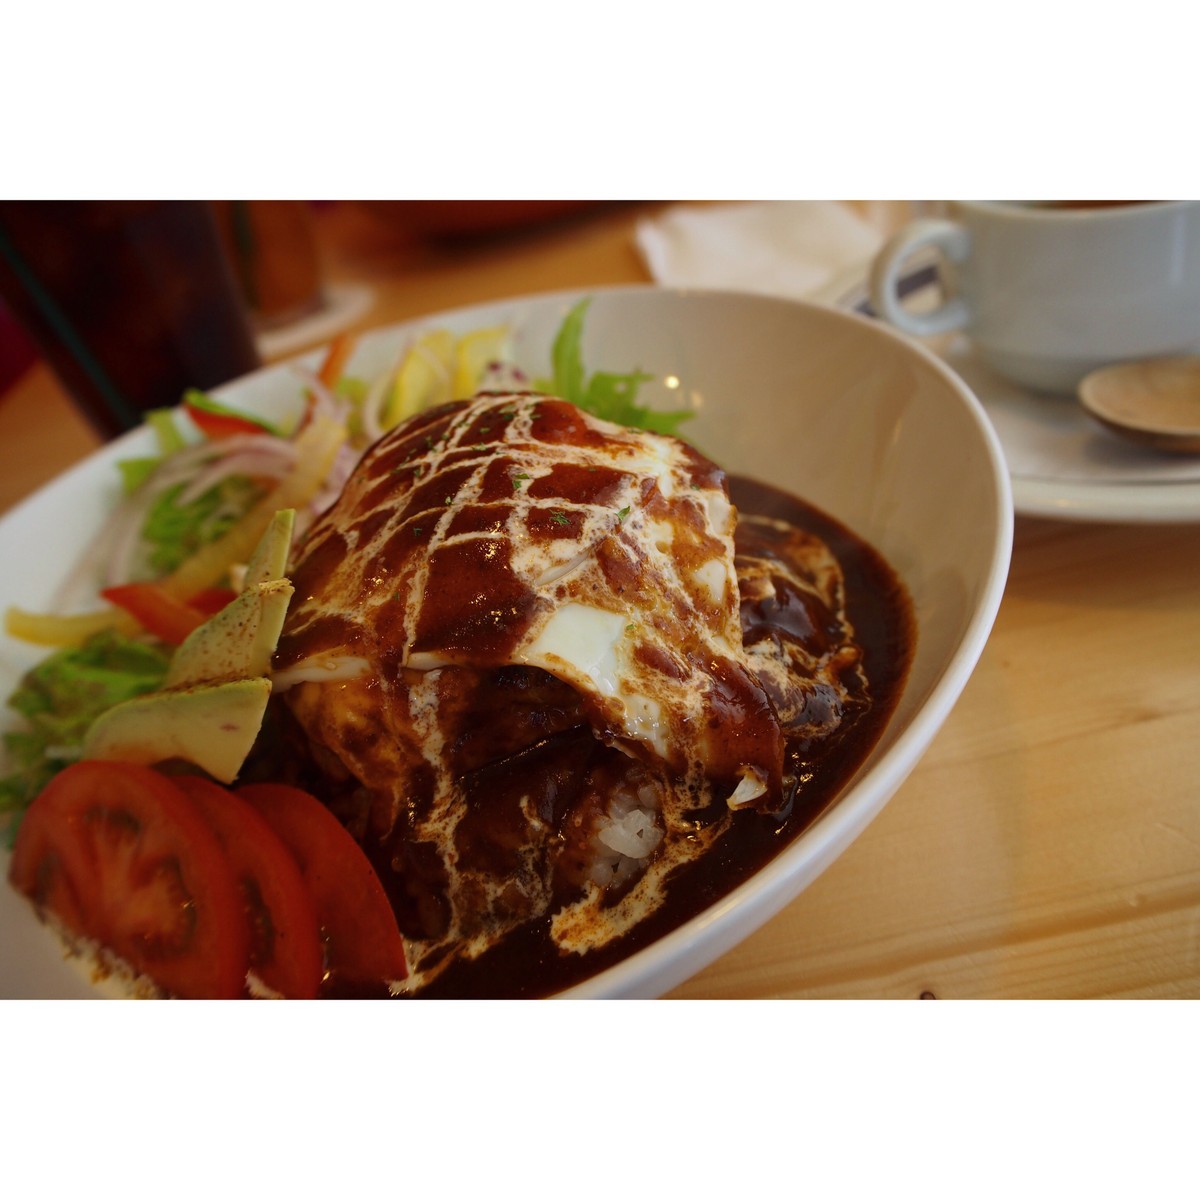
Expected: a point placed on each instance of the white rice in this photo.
(627, 837)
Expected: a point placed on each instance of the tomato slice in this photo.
(120, 855)
(363, 942)
(285, 947)
(156, 610)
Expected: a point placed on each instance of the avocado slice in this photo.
(269, 560)
(238, 642)
(211, 725)
(213, 700)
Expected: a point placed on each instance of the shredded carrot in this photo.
(334, 365)
(330, 371)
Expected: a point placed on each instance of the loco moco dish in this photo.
(566, 688)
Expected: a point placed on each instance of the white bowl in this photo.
(829, 406)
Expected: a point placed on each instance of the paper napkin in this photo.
(804, 249)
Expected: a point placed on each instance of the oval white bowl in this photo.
(827, 405)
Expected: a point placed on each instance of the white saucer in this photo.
(1064, 464)
(1061, 462)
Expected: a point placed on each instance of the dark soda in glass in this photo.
(131, 302)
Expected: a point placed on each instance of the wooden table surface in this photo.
(1047, 845)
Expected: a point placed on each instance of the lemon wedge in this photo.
(473, 354)
(438, 367)
(423, 379)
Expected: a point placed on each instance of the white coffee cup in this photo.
(1048, 291)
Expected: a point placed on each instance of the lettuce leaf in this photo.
(135, 471)
(606, 394)
(173, 532)
(60, 698)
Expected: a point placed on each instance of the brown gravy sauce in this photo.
(526, 964)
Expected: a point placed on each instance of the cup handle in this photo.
(951, 240)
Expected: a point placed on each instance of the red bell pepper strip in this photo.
(216, 421)
(156, 610)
